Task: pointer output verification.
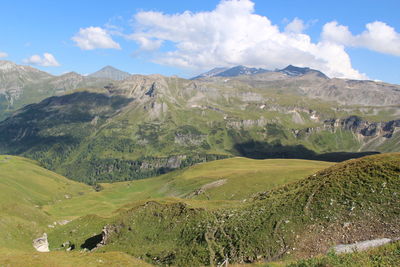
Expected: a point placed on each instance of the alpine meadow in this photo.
(214, 133)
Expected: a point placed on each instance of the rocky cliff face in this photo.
(370, 135)
(363, 127)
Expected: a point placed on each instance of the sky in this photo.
(355, 39)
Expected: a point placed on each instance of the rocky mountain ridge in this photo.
(291, 71)
(230, 72)
(294, 71)
(22, 85)
(314, 84)
(211, 73)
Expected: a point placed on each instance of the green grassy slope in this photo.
(264, 210)
(34, 198)
(25, 189)
(241, 178)
(302, 218)
(17, 258)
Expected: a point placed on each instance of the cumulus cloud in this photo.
(47, 60)
(232, 34)
(3, 54)
(145, 43)
(378, 36)
(295, 26)
(94, 37)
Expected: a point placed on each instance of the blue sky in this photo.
(158, 37)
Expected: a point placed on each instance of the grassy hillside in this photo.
(33, 198)
(19, 258)
(25, 189)
(263, 210)
(228, 179)
(302, 218)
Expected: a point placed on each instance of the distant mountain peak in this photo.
(71, 73)
(6, 64)
(230, 72)
(211, 73)
(109, 72)
(290, 70)
(294, 71)
(9, 66)
(108, 67)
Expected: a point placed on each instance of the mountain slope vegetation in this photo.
(263, 210)
(25, 189)
(19, 258)
(149, 125)
(302, 218)
(231, 179)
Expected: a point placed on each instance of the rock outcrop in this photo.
(41, 244)
(355, 124)
(360, 246)
(106, 234)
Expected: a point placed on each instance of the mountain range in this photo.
(111, 130)
(243, 70)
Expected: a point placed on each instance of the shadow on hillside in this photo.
(70, 108)
(92, 242)
(265, 150)
(59, 120)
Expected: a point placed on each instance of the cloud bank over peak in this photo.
(47, 60)
(233, 34)
(3, 54)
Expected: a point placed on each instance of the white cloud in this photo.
(94, 37)
(232, 34)
(295, 26)
(48, 60)
(3, 54)
(145, 43)
(335, 33)
(378, 36)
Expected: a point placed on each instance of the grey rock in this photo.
(41, 244)
(360, 246)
